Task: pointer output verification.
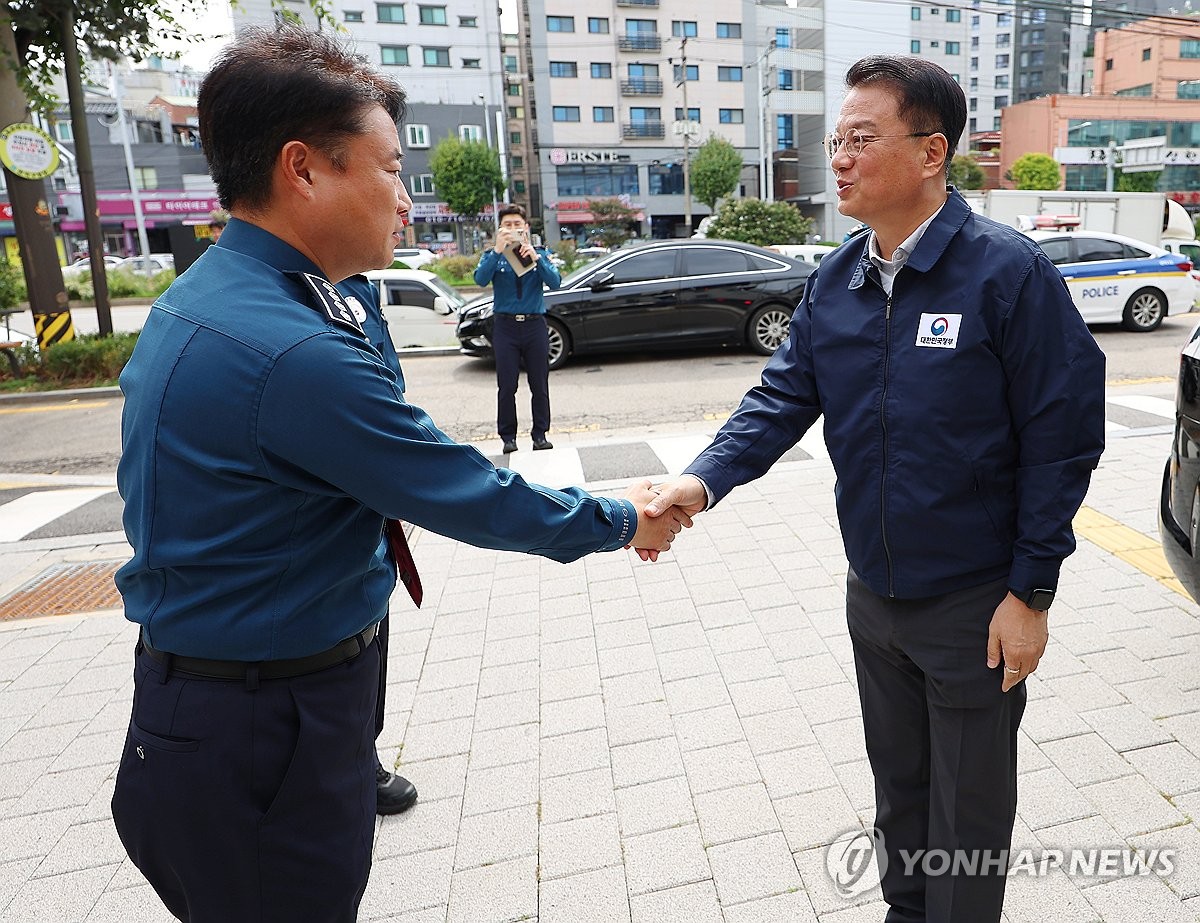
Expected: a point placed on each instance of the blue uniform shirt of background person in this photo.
(262, 447)
(513, 294)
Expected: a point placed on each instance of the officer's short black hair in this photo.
(929, 98)
(272, 86)
(512, 209)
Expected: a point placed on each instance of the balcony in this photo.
(641, 3)
(643, 130)
(646, 41)
(642, 86)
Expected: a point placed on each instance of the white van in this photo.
(810, 253)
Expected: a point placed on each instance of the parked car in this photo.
(148, 265)
(1116, 279)
(810, 253)
(1179, 503)
(79, 267)
(420, 308)
(666, 294)
(414, 257)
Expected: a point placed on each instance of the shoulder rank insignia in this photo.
(329, 301)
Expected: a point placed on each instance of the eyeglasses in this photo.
(853, 141)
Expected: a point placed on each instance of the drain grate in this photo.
(64, 589)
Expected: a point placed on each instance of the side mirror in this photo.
(602, 282)
(441, 305)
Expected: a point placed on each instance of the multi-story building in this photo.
(524, 178)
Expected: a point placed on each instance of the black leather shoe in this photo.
(511, 446)
(543, 443)
(393, 794)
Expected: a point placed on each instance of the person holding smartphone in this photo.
(517, 271)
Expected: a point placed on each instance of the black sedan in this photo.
(669, 294)
(1179, 506)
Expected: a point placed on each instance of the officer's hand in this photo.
(654, 535)
(502, 240)
(1017, 638)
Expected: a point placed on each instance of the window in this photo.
(510, 63)
(1108, 64)
(972, 104)
(952, 48)
(421, 184)
(785, 131)
(734, 30)
(514, 137)
(1033, 58)
(64, 132)
(693, 72)
(146, 177)
(729, 74)
(598, 179)
(563, 69)
(603, 114)
(518, 162)
(516, 112)
(394, 54)
(933, 44)
(974, 42)
(1001, 81)
(436, 57)
(566, 113)
(1189, 89)
(914, 46)
(1144, 90)
(693, 113)
(999, 102)
(974, 84)
(560, 23)
(785, 79)
(519, 186)
(659, 264)
(730, 116)
(915, 13)
(1003, 39)
(974, 64)
(514, 89)
(352, 16)
(642, 70)
(468, 22)
(416, 135)
(389, 12)
(1189, 48)
(953, 15)
(598, 25)
(432, 15)
(709, 261)
(683, 28)
(783, 37)
(666, 179)
(1145, 54)
(1004, 19)
(470, 133)
(471, 63)
(601, 70)
(1002, 60)
(643, 114)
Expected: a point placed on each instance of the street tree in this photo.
(763, 223)
(610, 221)
(965, 172)
(467, 175)
(1036, 171)
(1143, 181)
(715, 171)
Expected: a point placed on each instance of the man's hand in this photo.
(654, 535)
(503, 240)
(1017, 638)
(685, 496)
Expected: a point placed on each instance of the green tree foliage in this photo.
(1146, 181)
(715, 171)
(12, 287)
(611, 220)
(1036, 171)
(757, 222)
(965, 172)
(466, 174)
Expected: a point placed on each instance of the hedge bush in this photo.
(455, 270)
(85, 361)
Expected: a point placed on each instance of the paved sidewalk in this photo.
(618, 741)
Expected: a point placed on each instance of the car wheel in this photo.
(1144, 310)
(1194, 525)
(560, 342)
(768, 328)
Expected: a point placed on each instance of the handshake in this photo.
(663, 512)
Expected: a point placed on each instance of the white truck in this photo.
(1147, 216)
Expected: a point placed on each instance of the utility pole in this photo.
(768, 171)
(687, 125)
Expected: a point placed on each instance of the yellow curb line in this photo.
(42, 408)
(1129, 545)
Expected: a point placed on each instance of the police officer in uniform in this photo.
(265, 446)
(393, 793)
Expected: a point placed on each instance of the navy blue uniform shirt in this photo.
(262, 447)
(363, 297)
(513, 294)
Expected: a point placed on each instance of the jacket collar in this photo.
(252, 241)
(933, 242)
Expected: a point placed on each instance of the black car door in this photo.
(718, 290)
(637, 304)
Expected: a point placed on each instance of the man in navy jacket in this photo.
(964, 413)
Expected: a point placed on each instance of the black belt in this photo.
(341, 652)
(519, 317)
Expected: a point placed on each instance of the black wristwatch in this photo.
(1038, 600)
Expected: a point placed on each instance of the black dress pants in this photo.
(244, 804)
(942, 741)
(516, 343)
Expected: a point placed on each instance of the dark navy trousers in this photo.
(942, 741)
(252, 805)
(516, 343)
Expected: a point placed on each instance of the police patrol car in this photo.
(1115, 279)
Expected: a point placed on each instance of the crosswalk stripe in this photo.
(32, 511)
(1159, 406)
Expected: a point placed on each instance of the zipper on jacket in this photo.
(887, 354)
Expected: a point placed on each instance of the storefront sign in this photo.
(561, 156)
(28, 151)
